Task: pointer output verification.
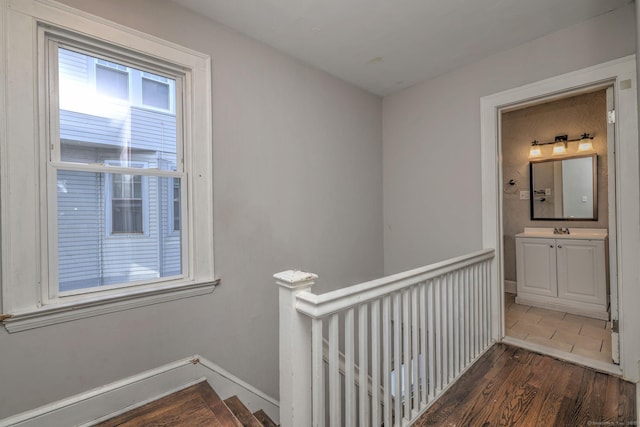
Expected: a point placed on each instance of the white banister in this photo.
(316, 306)
(393, 345)
(295, 350)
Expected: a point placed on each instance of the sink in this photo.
(574, 233)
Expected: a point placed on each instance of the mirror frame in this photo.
(594, 157)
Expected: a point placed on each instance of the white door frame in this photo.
(622, 75)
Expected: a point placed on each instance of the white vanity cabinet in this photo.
(563, 272)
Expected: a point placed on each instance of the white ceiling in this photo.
(386, 45)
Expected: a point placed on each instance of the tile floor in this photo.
(563, 331)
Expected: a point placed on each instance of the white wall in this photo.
(298, 184)
(431, 138)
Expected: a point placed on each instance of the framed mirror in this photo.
(564, 189)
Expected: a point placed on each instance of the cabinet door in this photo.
(581, 270)
(536, 266)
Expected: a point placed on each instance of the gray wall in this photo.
(298, 184)
(571, 116)
(431, 138)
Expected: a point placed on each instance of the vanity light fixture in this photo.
(560, 145)
(536, 150)
(586, 143)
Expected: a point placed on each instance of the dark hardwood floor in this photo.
(510, 386)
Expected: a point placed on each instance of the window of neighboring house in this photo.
(126, 205)
(156, 91)
(112, 79)
(126, 201)
(141, 88)
(103, 235)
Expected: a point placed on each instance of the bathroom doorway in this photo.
(620, 73)
(558, 170)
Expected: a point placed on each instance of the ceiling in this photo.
(386, 45)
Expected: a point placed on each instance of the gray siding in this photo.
(80, 219)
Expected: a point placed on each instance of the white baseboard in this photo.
(510, 286)
(88, 408)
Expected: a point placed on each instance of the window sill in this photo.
(59, 313)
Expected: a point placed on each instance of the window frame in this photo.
(25, 170)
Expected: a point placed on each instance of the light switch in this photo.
(585, 199)
(547, 191)
(524, 195)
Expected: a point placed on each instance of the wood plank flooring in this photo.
(510, 386)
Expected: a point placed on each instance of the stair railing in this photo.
(406, 337)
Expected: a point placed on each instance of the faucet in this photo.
(560, 230)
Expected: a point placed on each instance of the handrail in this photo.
(319, 306)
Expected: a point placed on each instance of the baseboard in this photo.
(88, 408)
(510, 286)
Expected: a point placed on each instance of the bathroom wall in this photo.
(572, 116)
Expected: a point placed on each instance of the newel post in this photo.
(295, 350)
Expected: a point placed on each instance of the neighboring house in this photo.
(116, 115)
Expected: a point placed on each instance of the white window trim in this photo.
(23, 213)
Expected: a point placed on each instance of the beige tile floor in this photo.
(563, 331)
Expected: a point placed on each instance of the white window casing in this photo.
(27, 157)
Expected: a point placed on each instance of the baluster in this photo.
(363, 357)
(451, 339)
(317, 380)
(476, 287)
(474, 322)
(483, 311)
(335, 401)
(438, 333)
(386, 364)
(445, 329)
(415, 349)
(467, 315)
(456, 321)
(432, 338)
(487, 301)
(407, 375)
(375, 363)
(349, 370)
(423, 344)
(397, 357)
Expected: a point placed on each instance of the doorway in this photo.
(558, 169)
(621, 75)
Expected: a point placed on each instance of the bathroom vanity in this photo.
(564, 272)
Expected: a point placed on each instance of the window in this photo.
(104, 223)
(142, 89)
(126, 201)
(112, 79)
(126, 204)
(156, 91)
